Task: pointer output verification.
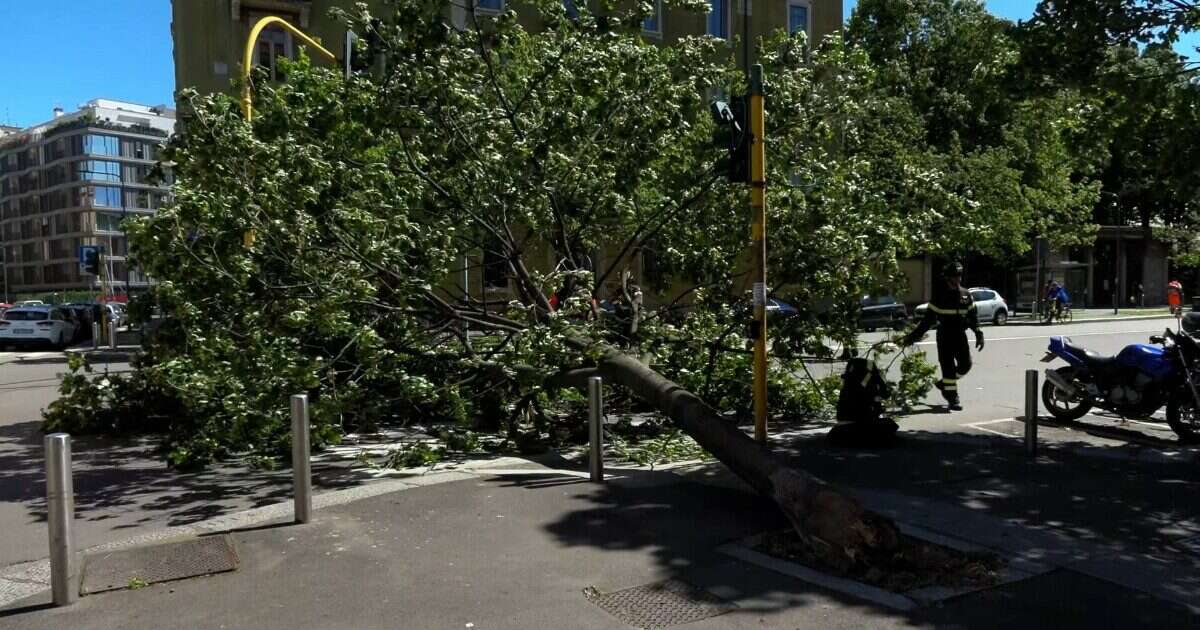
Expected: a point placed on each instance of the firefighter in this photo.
(954, 312)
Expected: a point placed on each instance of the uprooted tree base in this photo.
(834, 527)
(911, 565)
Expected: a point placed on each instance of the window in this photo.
(494, 6)
(274, 43)
(95, 144)
(798, 11)
(98, 171)
(718, 18)
(105, 196)
(495, 270)
(653, 23)
(982, 296)
(108, 222)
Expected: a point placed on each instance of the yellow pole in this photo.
(248, 54)
(758, 245)
(248, 60)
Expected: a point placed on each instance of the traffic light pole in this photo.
(758, 245)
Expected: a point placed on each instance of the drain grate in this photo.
(659, 605)
(159, 563)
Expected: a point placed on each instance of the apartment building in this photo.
(210, 35)
(70, 182)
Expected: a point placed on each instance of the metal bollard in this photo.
(301, 466)
(1031, 412)
(112, 334)
(596, 428)
(60, 515)
(95, 335)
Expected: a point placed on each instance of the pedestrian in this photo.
(953, 310)
(1140, 292)
(1175, 297)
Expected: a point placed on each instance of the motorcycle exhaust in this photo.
(1061, 383)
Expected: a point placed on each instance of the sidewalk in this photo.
(517, 547)
(1090, 315)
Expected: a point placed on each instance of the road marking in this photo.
(1114, 332)
(977, 426)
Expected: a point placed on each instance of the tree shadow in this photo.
(1113, 527)
(124, 483)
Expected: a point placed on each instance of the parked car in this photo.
(83, 320)
(30, 325)
(882, 312)
(989, 305)
(32, 303)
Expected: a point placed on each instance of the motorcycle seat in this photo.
(1093, 359)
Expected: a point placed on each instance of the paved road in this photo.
(123, 488)
(994, 389)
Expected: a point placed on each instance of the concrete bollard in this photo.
(95, 335)
(301, 464)
(1031, 412)
(596, 428)
(60, 516)
(112, 334)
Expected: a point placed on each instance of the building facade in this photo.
(71, 182)
(210, 35)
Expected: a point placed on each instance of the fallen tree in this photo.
(556, 165)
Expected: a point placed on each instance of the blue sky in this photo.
(65, 52)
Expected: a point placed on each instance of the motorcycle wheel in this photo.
(1059, 404)
(1183, 416)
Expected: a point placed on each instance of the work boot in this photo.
(952, 401)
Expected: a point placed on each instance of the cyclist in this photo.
(1058, 300)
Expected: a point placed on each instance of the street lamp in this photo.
(4, 270)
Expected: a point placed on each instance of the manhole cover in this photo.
(661, 604)
(159, 563)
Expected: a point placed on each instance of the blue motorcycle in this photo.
(1135, 383)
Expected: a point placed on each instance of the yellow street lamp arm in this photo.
(248, 57)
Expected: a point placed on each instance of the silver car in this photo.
(989, 305)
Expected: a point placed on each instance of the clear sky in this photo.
(66, 52)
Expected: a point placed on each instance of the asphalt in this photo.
(1106, 513)
(518, 550)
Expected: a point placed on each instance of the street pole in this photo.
(758, 245)
(4, 269)
(596, 429)
(301, 464)
(60, 516)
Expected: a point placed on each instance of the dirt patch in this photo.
(915, 564)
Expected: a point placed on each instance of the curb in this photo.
(1096, 320)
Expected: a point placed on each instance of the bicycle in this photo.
(1055, 310)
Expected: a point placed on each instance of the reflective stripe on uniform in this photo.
(949, 384)
(950, 311)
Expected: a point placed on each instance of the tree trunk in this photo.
(836, 527)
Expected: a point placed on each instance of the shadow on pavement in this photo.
(1108, 520)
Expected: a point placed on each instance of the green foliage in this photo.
(311, 249)
(917, 376)
(414, 455)
(671, 446)
(91, 403)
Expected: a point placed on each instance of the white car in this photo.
(29, 325)
(989, 305)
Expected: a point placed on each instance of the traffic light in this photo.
(89, 260)
(732, 135)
